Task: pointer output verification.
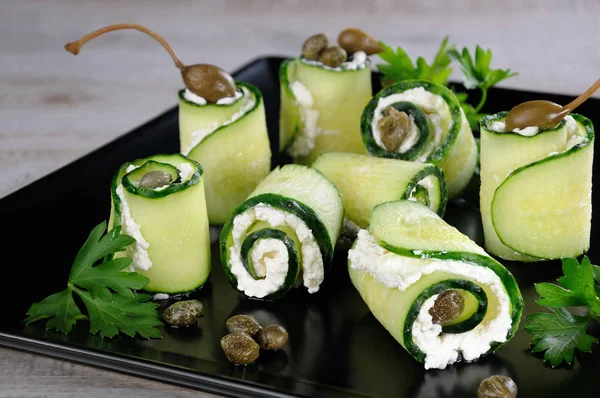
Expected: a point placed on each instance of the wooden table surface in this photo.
(55, 107)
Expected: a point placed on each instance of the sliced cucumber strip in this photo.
(320, 109)
(406, 258)
(536, 190)
(283, 235)
(437, 132)
(366, 181)
(169, 223)
(231, 143)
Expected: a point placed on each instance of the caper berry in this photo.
(314, 45)
(155, 179)
(333, 56)
(240, 348)
(353, 40)
(244, 324)
(273, 338)
(393, 128)
(183, 313)
(447, 307)
(497, 387)
(208, 81)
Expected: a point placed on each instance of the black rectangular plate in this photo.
(336, 347)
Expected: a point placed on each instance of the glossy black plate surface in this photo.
(336, 347)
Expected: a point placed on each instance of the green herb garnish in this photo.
(105, 290)
(559, 333)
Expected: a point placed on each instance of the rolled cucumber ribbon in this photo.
(536, 189)
(321, 107)
(435, 291)
(283, 235)
(230, 140)
(421, 121)
(366, 181)
(169, 222)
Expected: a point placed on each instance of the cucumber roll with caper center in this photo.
(160, 202)
(283, 235)
(229, 139)
(421, 121)
(440, 295)
(365, 181)
(536, 188)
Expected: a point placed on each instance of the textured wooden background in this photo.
(55, 107)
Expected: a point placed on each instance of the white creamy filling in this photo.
(273, 252)
(441, 349)
(161, 296)
(359, 61)
(199, 135)
(435, 109)
(304, 142)
(138, 250)
(573, 136)
(198, 100)
(426, 183)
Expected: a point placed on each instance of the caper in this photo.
(353, 40)
(183, 313)
(497, 387)
(273, 338)
(333, 56)
(447, 307)
(393, 128)
(155, 179)
(314, 45)
(208, 81)
(244, 324)
(240, 348)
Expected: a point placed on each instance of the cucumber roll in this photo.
(160, 202)
(323, 93)
(229, 139)
(536, 188)
(283, 235)
(435, 291)
(422, 121)
(365, 181)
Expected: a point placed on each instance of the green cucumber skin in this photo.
(588, 142)
(288, 205)
(422, 124)
(444, 154)
(427, 171)
(116, 205)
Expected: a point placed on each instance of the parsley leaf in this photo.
(559, 334)
(473, 117)
(104, 288)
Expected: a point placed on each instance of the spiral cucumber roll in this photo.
(366, 181)
(435, 291)
(422, 121)
(160, 202)
(229, 139)
(283, 235)
(321, 106)
(536, 189)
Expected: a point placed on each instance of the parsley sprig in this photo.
(105, 290)
(477, 73)
(561, 332)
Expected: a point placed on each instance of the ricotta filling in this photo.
(272, 253)
(304, 142)
(359, 61)
(435, 108)
(198, 100)
(574, 136)
(427, 183)
(440, 349)
(199, 135)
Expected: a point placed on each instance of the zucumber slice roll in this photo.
(160, 202)
(321, 107)
(422, 121)
(230, 140)
(366, 181)
(536, 189)
(283, 235)
(436, 292)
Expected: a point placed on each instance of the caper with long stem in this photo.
(207, 81)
